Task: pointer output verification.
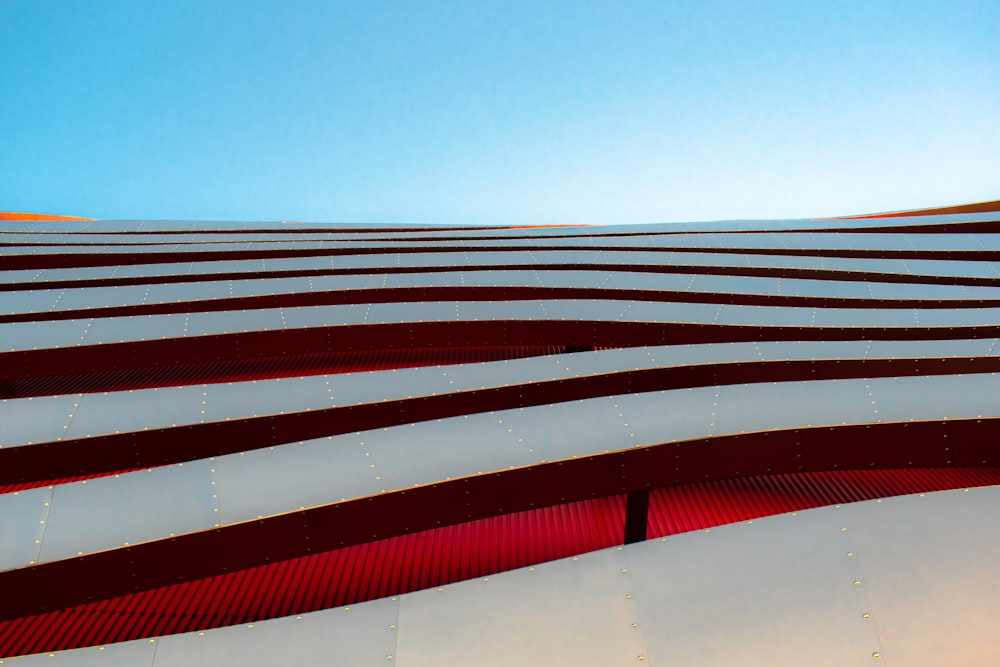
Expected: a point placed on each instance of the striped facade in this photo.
(208, 425)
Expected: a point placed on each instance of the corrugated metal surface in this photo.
(222, 329)
(455, 553)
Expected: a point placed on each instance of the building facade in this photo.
(263, 443)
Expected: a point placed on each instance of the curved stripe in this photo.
(937, 444)
(485, 293)
(221, 357)
(114, 453)
(980, 207)
(444, 555)
(81, 260)
(673, 269)
(398, 235)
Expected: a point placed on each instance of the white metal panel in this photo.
(138, 653)
(930, 565)
(109, 512)
(775, 591)
(23, 515)
(264, 482)
(937, 397)
(360, 635)
(136, 410)
(36, 419)
(771, 406)
(577, 611)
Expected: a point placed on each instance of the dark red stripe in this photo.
(487, 293)
(399, 565)
(122, 571)
(81, 260)
(212, 357)
(154, 447)
(672, 269)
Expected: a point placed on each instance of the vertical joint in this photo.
(636, 516)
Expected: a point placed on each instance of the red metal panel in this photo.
(445, 555)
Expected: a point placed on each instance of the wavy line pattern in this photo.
(207, 424)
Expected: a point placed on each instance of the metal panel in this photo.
(137, 653)
(519, 310)
(427, 452)
(23, 515)
(828, 288)
(579, 309)
(737, 284)
(174, 292)
(363, 634)
(276, 286)
(142, 327)
(578, 611)
(39, 301)
(860, 317)
(668, 416)
(775, 591)
(320, 283)
(937, 397)
(234, 321)
(41, 335)
(455, 277)
(701, 353)
(931, 348)
(263, 397)
(102, 297)
(135, 507)
(280, 479)
(645, 311)
(37, 419)
(637, 280)
(930, 564)
(765, 315)
(751, 407)
(122, 411)
(854, 349)
(958, 317)
(324, 316)
(565, 430)
(376, 386)
(430, 311)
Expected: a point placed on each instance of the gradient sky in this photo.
(496, 112)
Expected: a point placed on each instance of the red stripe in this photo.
(487, 294)
(445, 555)
(84, 259)
(958, 443)
(34, 465)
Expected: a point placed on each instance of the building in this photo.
(552, 445)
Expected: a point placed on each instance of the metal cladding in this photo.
(213, 424)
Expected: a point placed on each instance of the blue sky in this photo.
(496, 112)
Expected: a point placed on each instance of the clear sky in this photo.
(514, 112)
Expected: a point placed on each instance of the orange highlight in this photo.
(38, 217)
(981, 207)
